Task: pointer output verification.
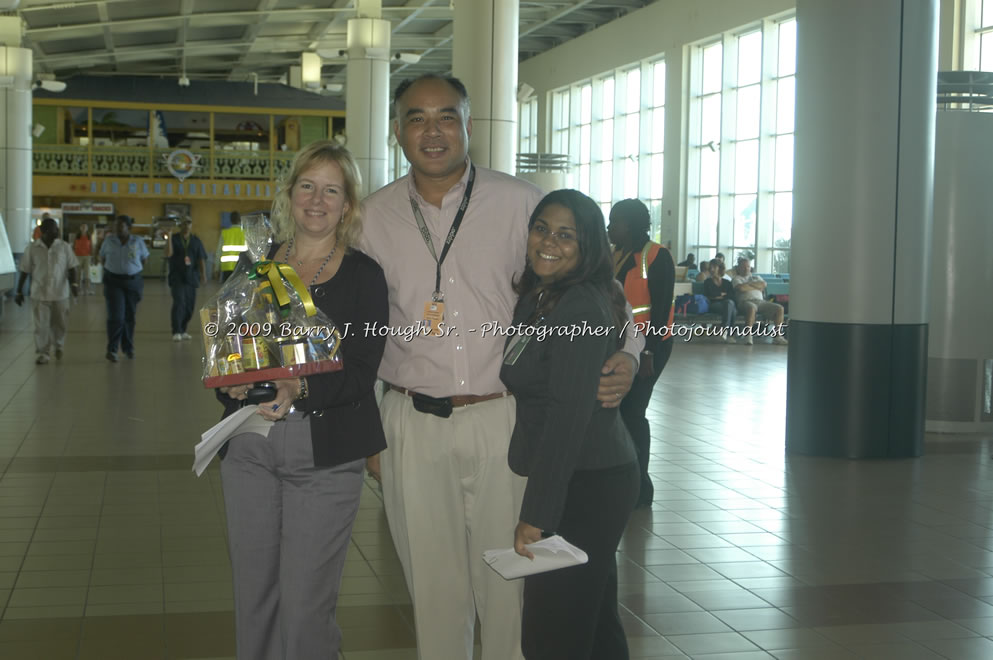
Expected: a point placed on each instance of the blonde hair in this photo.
(315, 154)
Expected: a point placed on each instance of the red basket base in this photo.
(274, 373)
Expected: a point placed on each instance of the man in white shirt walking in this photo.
(52, 265)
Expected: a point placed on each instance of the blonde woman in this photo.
(292, 484)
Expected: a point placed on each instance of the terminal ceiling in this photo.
(239, 40)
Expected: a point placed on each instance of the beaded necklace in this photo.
(289, 248)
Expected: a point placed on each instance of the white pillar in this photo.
(485, 59)
(960, 345)
(15, 146)
(367, 93)
(864, 174)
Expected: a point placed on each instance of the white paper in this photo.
(214, 438)
(549, 554)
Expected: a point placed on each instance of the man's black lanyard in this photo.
(426, 235)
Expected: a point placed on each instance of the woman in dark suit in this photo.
(292, 484)
(580, 462)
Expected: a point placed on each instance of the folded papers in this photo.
(214, 438)
(549, 554)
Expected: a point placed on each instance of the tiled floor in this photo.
(110, 547)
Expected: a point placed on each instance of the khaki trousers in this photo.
(449, 496)
(50, 318)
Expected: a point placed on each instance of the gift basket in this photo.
(263, 325)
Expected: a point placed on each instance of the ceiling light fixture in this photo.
(333, 53)
(524, 92)
(55, 86)
(310, 70)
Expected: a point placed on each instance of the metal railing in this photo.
(142, 162)
(532, 162)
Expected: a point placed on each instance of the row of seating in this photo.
(773, 288)
(777, 290)
(690, 274)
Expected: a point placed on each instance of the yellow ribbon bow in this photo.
(276, 272)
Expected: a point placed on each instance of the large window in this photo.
(740, 145)
(613, 129)
(984, 34)
(527, 126)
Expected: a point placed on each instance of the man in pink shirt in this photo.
(451, 237)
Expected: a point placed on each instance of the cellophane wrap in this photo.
(262, 324)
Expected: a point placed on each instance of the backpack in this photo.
(699, 305)
(681, 303)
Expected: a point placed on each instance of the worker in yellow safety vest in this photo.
(230, 247)
(648, 274)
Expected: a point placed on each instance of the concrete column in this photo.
(960, 345)
(485, 59)
(367, 93)
(862, 217)
(15, 145)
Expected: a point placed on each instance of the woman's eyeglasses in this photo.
(560, 236)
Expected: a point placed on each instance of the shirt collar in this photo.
(458, 187)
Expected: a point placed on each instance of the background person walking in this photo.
(83, 248)
(187, 270)
(123, 257)
(52, 266)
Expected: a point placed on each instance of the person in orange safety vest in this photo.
(648, 274)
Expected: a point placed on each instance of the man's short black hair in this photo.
(454, 82)
(235, 218)
(126, 219)
(634, 213)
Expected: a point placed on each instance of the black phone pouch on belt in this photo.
(428, 404)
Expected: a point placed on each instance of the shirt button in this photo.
(462, 382)
(455, 313)
(451, 280)
(459, 347)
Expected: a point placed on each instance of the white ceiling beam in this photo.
(226, 17)
(553, 16)
(250, 36)
(108, 34)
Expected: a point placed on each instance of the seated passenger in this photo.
(720, 257)
(689, 262)
(720, 295)
(704, 273)
(750, 288)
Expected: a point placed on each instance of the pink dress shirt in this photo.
(476, 276)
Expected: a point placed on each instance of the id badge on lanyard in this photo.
(434, 309)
